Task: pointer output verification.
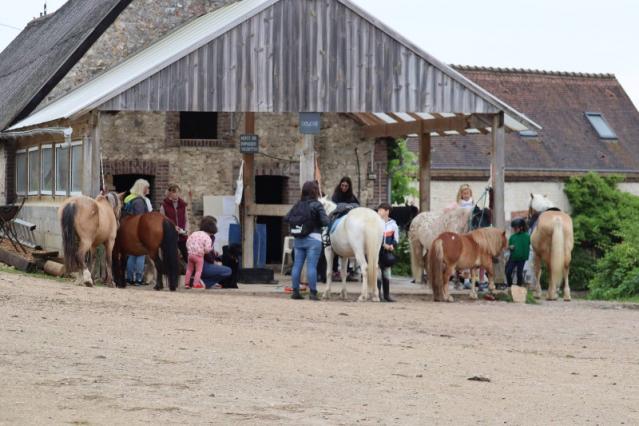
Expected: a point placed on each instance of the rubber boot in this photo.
(296, 294)
(386, 289)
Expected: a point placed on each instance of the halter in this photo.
(483, 209)
(114, 201)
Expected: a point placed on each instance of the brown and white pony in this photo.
(425, 227)
(552, 242)
(452, 251)
(86, 223)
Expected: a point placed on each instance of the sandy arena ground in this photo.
(74, 355)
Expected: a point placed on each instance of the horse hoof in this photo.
(326, 295)
(88, 284)
(362, 299)
(450, 299)
(473, 295)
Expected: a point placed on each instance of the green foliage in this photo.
(402, 169)
(402, 267)
(606, 228)
(617, 273)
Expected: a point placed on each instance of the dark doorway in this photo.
(123, 183)
(270, 190)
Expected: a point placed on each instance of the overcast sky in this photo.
(558, 35)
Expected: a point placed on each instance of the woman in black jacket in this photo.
(307, 218)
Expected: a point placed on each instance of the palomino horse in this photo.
(425, 227)
(146, 234)
(359, 234)
(552, 242)
(86, 223)
(474, 249)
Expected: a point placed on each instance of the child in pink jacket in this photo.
(198, 244)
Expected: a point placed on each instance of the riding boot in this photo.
(386, 289)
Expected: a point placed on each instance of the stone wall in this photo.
(138, 26)
(131, 138)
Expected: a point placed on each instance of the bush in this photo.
(606, 229)
(402, 267)
(617, 273)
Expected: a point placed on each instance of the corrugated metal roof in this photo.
(135, 69)
(200, 32)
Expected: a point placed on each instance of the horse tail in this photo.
(416, 259)
(169, 247)
(435, 271)
(70, 239)
(557, 250)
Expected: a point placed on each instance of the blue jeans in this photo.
(135, 269)
(213, 274)
(511, 265)
(308, 249)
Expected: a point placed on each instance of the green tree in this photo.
(402, 169)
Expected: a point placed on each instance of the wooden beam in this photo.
(498, 183)
(248, 221)
(404, 128)
(272, 210)
(307, 160)
(424, 171)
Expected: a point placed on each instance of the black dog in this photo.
(231, 257)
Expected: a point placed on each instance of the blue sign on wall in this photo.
(310, 123)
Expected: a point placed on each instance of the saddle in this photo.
(340, 211)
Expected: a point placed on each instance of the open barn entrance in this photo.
(272, 190)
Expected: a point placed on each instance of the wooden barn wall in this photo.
(301, 55)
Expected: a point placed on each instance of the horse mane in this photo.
(490, 240)
(329, 206)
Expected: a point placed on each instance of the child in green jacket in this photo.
(519, 245)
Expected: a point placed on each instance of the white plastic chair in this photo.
(287, 251)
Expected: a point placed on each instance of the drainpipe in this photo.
(66, 131)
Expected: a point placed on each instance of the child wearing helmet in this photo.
(519, 245)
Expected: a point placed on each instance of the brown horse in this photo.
(147, 234)
(86, 223)
(552, 242)
(474, 249)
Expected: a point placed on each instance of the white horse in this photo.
(552, 242)
(359, 234)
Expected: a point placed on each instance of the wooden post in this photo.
(248, 221)
(307, 160)
(498, 183)
(424, 170)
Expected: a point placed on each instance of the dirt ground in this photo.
(74, 355)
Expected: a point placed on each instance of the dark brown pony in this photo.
(474, 249)
(147, 234)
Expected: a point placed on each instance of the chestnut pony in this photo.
(147, 234)
(474, 249)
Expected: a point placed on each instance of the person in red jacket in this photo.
(174, 209)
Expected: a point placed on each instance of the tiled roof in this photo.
(557, 101)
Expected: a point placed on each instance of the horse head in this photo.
(539, 203)
(328, 205)
(116, 202)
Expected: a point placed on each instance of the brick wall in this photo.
(159, 169)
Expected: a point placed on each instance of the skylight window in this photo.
(601, 125)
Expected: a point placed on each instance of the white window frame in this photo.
(52, 148)
(74, 143)
(26, 183)
(29, 151)
(68, 146)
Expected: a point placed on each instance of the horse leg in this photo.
(473, 291)
(488, 266)
(108, 258)
(85, 274)
(328, 253)
(566, 285)
(447, 273)
(344, 273)
(537, 269)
